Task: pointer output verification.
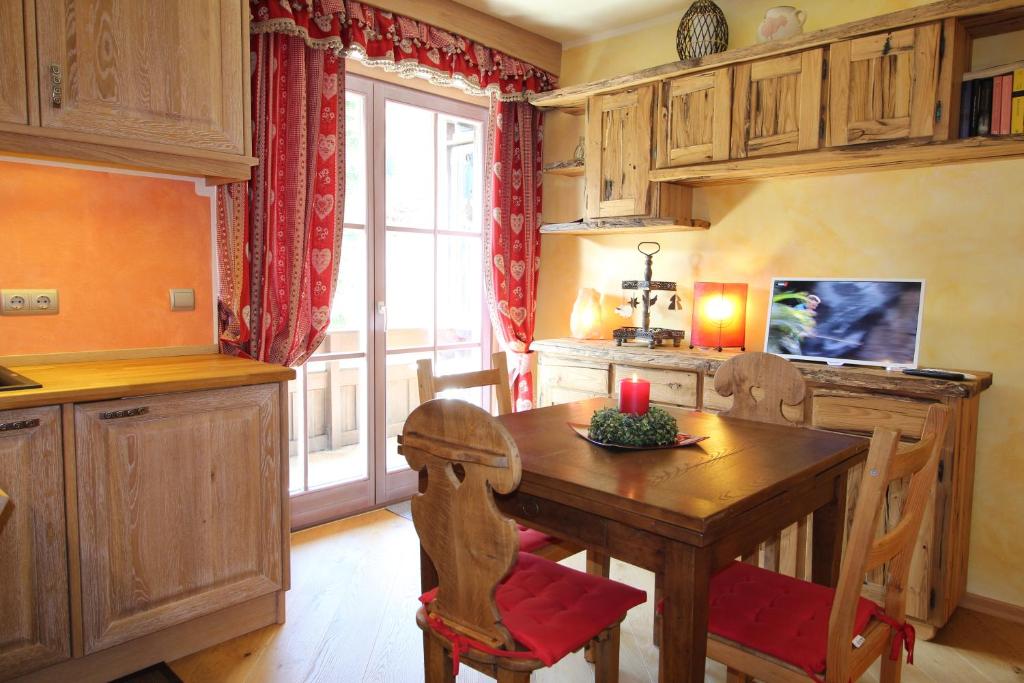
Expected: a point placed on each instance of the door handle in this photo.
(128, 412)
(382, 310)
(56, 89)
(18, 424)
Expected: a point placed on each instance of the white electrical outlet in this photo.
(29, 302)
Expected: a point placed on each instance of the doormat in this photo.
(158, 673)
(403, 509)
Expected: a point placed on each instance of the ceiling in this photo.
(570, 21)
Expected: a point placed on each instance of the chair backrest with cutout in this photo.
(887, 462)
(760, 383)
(431, 385)
(468, 457)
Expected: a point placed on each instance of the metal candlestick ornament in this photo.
(654, 336)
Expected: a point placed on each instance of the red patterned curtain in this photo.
(515, 164)
(279, 236)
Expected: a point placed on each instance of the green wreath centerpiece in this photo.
(653, 428)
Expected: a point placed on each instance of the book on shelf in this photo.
(992, 101)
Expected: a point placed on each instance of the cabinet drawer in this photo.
(845, 411)
(555, 395)
(589, 379)
(675, 387)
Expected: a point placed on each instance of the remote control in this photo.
(935, 374)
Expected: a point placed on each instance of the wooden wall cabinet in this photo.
(695, 116)
(619, 150)
(776, 105)
(34, 629)
(851, 400)
(156, 85)
(883, 87)
(179, 508)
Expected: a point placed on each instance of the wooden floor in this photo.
(350, 618)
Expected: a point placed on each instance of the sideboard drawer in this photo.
(572, 376)
(853, 412)
(675, 387)
(552, 395)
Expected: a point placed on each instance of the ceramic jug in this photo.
(781, 22)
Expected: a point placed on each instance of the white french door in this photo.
(410, 287)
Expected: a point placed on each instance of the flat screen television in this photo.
(864, 322)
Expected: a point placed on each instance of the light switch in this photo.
(183, 299)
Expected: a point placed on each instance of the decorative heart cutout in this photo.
(321, 316)
(518, 268)
(499, 263)
(321, 259)
(326, 145)
(517, 223)
(323, 204)
(518, 315)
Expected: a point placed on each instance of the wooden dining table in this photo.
(685, 512)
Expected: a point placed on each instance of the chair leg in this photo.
(659, 595)
(802, 527)
(437, 663)
(507, 676)
(606, 656)
(598, 564)
(892, 671)
(734, 676)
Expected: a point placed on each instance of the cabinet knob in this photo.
(20, 424)
(56, 90)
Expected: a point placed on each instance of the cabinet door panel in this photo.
(694, 125)
(883, 87)
(159, 72)
(777, 105)
(179, 507)
(619, 153)
(13, 69)
(34, 627)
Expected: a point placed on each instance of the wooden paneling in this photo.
(693, 125)
(34, 627)
(14, 90)
(883, 87)
(179, 508)
(854, 412)
(776, 105)
(667, 386)
(167, 72)
(619, 153)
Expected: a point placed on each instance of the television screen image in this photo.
(866, 322)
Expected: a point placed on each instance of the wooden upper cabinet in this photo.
(14, 100)
(179, 508)
(694, 123)
(776, 105)
(34, 626)
(883, 87)
(152, 72)
(619, 153)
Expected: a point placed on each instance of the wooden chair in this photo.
(430, 385)
(762, 386)
(740, 591)
(505, 612)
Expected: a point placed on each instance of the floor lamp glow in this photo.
(719, 315)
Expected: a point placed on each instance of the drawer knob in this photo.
(529, 508)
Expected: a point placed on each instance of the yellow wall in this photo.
(958, 227)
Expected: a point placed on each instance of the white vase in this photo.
(780, 23)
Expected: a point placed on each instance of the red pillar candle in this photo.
(634, 396)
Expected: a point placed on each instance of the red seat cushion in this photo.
(778, 615)
(531, 539)
(554, 610)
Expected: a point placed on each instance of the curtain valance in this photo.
(400, 44)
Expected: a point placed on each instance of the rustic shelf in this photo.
(572, 168)
(616, 226)
(875, 156)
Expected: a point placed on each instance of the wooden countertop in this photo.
(707, 362)
(109, 379)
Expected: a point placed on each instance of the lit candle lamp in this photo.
(634, 396)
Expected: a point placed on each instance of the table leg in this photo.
(827, 544)
(684, 621)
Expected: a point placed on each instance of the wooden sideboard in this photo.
(148, 514)
(847, 399)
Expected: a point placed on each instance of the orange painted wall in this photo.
(113, 245)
